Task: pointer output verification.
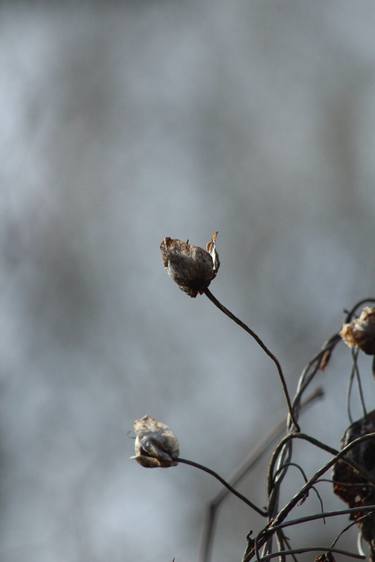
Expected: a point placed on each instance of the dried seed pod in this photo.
(349, 485)
(156, 446)
(361, 331)
(191, 267)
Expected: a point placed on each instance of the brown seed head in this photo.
(191, 267)
(361, 331)
(156, 446)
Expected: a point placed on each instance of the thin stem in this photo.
(313, 549)
(281, 544)
(223, 482)
(313, 367)
(264, 535)
(334, 542)
(255, 336)
(348, 484)
(248, 464)
(358, 375)
(293, 555)
(279, 447)
(281, 456)
(287, 465)
(349, 394)
(326, 514)
(295, 465)
(296, 498)
(351, 313)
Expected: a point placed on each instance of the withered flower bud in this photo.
(191, 267)
(361, 331)
(156, 446)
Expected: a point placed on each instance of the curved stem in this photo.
(313, 549)
(349, 395)
(347, 484)
(254, 456)
(358, 375)
(308, 518)
(296, 465)
(303, 436)
(277, 521)
(293, 502)
(223, 482)
(351, 313)
(345, 529)
(255, 336)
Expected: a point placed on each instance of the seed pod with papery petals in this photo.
(191, 267)
(361, 331)
(156, 446)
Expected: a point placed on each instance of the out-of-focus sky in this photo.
(122, 123)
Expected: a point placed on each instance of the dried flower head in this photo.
(191, 267)
(156, 446)
(348, 484)
(361, 331)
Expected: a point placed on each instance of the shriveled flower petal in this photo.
(156, 446)
(361, 331)
(191, 267)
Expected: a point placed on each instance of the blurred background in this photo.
(122, 123)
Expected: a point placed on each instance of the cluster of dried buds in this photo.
(191, 267)
(360, 333)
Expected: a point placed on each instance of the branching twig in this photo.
(248, 464)
(283, 513)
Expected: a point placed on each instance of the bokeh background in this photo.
(125, 122)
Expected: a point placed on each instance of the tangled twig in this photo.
(193, 268)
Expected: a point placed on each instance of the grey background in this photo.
(122, 123)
